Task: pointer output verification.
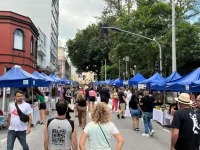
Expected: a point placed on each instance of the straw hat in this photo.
(184, 98)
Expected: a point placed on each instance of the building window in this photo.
(18, 39)
(32, 45)
(36, 48)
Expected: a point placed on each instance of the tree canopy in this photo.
(152, 19)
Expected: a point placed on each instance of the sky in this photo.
(77, 14)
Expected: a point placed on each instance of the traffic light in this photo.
(103, 32)
(157, 66)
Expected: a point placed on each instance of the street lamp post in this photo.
(160, 49)
(173, 37)
(126, 60)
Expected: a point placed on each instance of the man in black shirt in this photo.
(122, 103)
(104, 92)
(185, 127)
(198, 117)
(147, 113)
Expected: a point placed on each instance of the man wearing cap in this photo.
(185, 127)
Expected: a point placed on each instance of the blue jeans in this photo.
(147, 116)
(12, 135)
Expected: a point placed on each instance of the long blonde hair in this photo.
(100, 113)
(80, 96)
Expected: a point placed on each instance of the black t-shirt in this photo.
(121, 94)
(147, 103)
(198, 118)
(133, 102)
(87, 93)
(104, 92)
(185, 120)
(81, 103)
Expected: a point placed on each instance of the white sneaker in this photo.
(145, 135)
(152, 132)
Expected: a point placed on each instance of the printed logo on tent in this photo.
(187, 87)
(25, 82)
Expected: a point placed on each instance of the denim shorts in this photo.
(135, 113)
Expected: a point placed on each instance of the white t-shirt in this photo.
(98, 99)
(15, 123)
(7, 90)
(96, 138)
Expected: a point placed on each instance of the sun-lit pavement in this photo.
(133, 139)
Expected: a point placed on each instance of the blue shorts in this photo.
(135, 113)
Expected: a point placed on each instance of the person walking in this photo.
(185, 126)
(87, 97)
(147, 113)
(16, 127)
(115, 100)
(59, 132)
(197, 110)
(135, 111)
(41, 105)
(104, 92)
(92, 98)
(128, 98)
(99, 132)
(68, 96)
(81, 104)
(122, 103)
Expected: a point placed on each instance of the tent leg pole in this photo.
(33, 106)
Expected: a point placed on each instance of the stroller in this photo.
(3, 122)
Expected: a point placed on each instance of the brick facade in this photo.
(9, 56)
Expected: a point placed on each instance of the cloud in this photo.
(77, 14)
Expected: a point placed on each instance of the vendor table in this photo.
(161, 116)
(35, 115)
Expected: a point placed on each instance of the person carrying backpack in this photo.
(59, 132)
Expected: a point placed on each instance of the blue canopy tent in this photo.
(162, 86)
(37, 74)
(137, 78)
(155, 79)
(196, 86)
(74, 83)
(49, 79)
(55, 78)
(117, 82)
(17, 77)
(65, 81)
(184, 84)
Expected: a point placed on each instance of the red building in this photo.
(18, 42)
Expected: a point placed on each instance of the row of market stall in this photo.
(175, 82)
(16, 77)
(189, 83)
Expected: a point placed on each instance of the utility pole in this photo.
(105, 69)
(173, 37)
(119, 68)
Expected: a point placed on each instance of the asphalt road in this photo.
(133, 139)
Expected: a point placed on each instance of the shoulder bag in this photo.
(104, 134)
(22, 116)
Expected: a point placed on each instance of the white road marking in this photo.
(4, 140)
(166, 130)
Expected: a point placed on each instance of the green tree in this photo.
(87, 50)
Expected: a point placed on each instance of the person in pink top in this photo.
(92, 97)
